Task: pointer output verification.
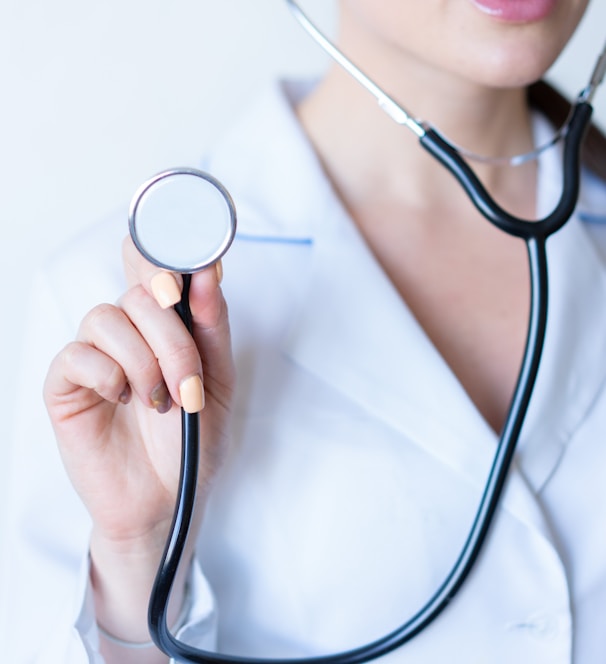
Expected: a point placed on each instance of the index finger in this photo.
(165, 287)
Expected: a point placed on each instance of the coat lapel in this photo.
(573, 367)
(353, 331)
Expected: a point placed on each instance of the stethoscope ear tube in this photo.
(452, 159)
(535, 233)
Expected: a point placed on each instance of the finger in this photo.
(164, 286)
(211, 330)
(78, 366)
(174, 347)
(109, 329)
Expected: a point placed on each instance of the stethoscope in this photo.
(192, 205)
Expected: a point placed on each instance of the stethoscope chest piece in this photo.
(182, 220)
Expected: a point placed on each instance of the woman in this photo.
(377, 327)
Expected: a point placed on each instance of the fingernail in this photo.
(165, 289)
(126, 395)
(191, 392)
(219, 268)
(160, 398)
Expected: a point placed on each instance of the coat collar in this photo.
(355, 333)
(573, 368)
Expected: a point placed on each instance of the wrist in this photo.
(139, 645)
(122, 576)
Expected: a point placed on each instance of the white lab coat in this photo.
(357, 460)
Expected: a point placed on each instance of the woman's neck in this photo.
(442, 257)
(368, 155)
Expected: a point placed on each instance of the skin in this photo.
(102, 390)
(443, 257)
(123, 458)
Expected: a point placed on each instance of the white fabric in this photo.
(357, 460)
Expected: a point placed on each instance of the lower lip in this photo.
(516, 11)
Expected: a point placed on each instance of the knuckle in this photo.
(135, 298)
(147, 368)
(107, 381)
(101, 312)
(181, 357)
(111, 382)
(72, 353)
(100, 317)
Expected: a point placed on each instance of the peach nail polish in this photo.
(191, 391)
(219, 268)
(165, 289)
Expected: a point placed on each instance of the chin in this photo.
(514, 72)
(517, 55)
(455, 38)
(515, 63)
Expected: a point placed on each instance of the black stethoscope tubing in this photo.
(535, 234)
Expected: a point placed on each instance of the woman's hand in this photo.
(113, 397)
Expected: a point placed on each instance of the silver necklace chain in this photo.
(419, 127)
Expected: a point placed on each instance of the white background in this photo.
(97, 96)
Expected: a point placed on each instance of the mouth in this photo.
(516, 11)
